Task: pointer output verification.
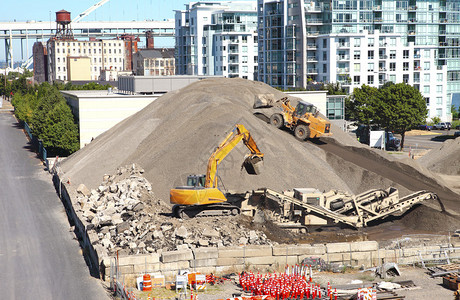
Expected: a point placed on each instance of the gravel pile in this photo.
(123, 215)
(445, 159)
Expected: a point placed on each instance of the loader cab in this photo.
(197, 181)
(304, 107)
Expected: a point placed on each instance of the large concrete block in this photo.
(205, 253)
(286, 260)
(139, 259)
(338, 257)
(179, 255)
(230, 261)
(338, 247)
(174, 266)
(127, 270)
(256, 251)
(142, 268)
(364, 246)
(260, 260)
(299, 250)
(209, 262)
(230, 252)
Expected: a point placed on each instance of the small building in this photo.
(99, 110)
(154, 62)
(78, 68)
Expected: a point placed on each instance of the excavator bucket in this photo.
(253, 164)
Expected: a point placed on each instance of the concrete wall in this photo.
(232, 259)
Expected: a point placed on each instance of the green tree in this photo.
(402, 108)
(335, 89)
(48, 97)
(24, 106)
(363, 105)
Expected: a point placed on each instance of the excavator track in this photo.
(208, 210)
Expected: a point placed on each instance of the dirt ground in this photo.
(425, 286)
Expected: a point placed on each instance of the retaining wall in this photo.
(232, 259)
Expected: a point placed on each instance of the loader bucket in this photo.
(253, 164)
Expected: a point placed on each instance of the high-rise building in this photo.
(217, 38)
(363, 42)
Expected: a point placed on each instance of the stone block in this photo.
(175, 256)
(230, 252)
(338, 257)
(209, 262)
(286, 260)
(260, 260)
(139, 259)
(229, 261)
(174, 266)
(364, 246)
(205, 253)
(338, 247)
(125, 270)
(256, 251)
(299, 250)
(146, 268)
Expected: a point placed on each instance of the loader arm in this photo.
(239, 133)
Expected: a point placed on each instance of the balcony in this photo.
(412, 8)
(312, 71)
(311, 46)
(232, 61)
(417, 80)
(233, 51)
(343, 70)
(313, 9)
(314, 21)
(343, 45)
(417, 68)
(383, 56)
(312, 58)
(233, 70)
(343, 57)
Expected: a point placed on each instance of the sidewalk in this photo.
(5, 105)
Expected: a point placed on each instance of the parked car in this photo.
(449, 125)
(440, 126)
(457, 134)
(425, 127)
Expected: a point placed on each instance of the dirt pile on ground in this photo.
(445, 159)
(175, 135)
(123, 215)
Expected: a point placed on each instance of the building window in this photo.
(439, 100)
(405, 53)
(406, 78)
(439, 77)
(426, 77)
(427, 100)
(405, 66)
(324, 43)
(370, 54)
(370, 67)
(426, 53)
(357, 68)
(57, 50)
(426, 65)
(357, 42)
(324, 68)
(439, 112)
(370, 79)
(439, 89)
(370, 42)
(325, 55)
(392, 54)
(357, 54)
(392, 66)
(357, 79)
(393, 78)
(426, 89)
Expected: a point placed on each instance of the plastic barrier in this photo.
(147, 283)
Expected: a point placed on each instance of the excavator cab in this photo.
(196, 180)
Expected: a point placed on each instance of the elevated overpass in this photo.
(43, 30)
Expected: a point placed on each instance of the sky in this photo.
(114, 10)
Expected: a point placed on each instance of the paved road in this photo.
(39, 259)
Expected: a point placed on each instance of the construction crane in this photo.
(30, 60)
(89, 10)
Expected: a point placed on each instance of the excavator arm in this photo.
(251, 162)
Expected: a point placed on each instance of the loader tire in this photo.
(302, 132)
(277, 120)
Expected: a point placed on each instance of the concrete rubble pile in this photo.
(123, 214)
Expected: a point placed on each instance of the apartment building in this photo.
(154, 62)
(102, 54)
(217, 38)
(363, 42)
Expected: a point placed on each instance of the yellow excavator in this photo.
(201, 197)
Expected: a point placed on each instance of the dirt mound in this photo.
(175, 135)
(445, 159)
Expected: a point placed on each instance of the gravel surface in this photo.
(445, 159)
(174, 136)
